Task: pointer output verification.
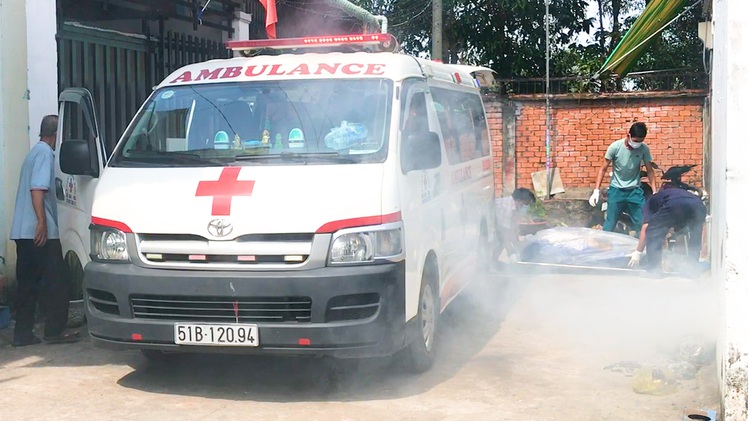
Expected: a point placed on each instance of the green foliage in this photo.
(509, 35)
(537, 211)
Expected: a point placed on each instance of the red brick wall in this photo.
(582, 129)
(495, 127)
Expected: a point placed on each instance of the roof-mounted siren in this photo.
(483, 76)
(363, 42)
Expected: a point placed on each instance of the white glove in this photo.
(634, 258)
(595, 197)
(513, 258)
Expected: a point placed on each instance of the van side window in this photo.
(77, 124)
(416, 119)
(463, 124)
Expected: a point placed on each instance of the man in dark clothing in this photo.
(669, 208)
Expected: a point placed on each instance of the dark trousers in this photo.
(619, 200)
(679, 215)
(40, 273)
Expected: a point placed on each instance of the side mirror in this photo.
(75, 158)
(421, 151)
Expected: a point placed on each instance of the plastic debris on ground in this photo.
(700, 414)
(654, 381)
(579, 246)
(662, 377)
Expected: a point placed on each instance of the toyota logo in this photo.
(220, 227)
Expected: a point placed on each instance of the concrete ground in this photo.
(544, 347)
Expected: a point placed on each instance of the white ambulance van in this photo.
(284, 202)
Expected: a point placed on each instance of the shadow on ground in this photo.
(275, 379)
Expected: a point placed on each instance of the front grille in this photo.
(249, 251)
(352, 307)
(103, 301)
(223, 309)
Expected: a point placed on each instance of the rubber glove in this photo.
(634, 258)
(595, 197)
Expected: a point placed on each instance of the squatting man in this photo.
(509, 210)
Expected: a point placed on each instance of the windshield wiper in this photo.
(315, 156)
(301, 157)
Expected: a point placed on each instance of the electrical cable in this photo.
(428, 5)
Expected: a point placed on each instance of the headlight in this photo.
(366, 246)
(108, 244)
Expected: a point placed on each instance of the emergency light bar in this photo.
(378, 42)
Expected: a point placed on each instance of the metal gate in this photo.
(120, 69)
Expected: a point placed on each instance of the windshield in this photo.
(260, 123)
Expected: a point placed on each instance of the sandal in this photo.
(65, 338)
(32, 340)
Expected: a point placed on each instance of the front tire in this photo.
(421, 351)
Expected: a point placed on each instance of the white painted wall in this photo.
(3, 245)
(41, 19)
(14, 112)
(730, 228)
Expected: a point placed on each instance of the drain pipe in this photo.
(360, 13)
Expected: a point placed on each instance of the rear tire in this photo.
(420, 352)
(487, 255)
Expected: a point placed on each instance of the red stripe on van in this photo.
(333, 226)
(111, 224)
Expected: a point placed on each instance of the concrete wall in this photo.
(582, 130)
(14, 115)
(729, 227)
(28, 92)
(42, 63)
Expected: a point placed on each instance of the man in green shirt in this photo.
(626, 156)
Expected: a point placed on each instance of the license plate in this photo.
(216, 335)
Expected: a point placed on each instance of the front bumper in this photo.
(336, 322)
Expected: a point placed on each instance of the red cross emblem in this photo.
(225, 189)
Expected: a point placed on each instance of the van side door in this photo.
(77, 124)
(467, 144)
(421, 157)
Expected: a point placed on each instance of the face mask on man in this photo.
(635, 145)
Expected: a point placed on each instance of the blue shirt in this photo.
(627, 163)
(671, 199)
(37, 173)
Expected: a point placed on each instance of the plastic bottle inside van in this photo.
(295, 138)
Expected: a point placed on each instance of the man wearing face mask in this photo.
(626, 156)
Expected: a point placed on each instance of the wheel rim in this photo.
(428, 317)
